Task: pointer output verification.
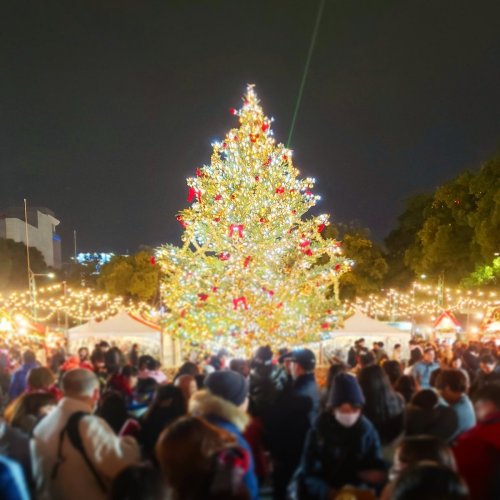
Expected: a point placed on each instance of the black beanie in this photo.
(345, 389)
(228, 385)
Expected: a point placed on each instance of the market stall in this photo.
(123, 330)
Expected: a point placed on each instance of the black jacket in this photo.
(334, 455)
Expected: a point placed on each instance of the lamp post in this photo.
(32, 286)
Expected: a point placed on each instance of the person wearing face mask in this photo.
(62, 469)
(343, 447)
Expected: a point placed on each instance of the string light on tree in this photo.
(252, 267)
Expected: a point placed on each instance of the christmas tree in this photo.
(252, 269)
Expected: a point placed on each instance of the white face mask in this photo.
(347, 419)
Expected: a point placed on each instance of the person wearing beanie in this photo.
(343, 447)
(224, 402)
(291, 418)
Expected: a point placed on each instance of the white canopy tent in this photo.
(361, 326)
(123, 330)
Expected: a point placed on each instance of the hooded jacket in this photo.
(477, 453)
(229, 417)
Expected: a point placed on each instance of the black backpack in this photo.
(71, 429)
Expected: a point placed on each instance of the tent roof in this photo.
(123, 323)
(446, 317)
(360, 324)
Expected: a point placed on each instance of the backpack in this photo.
(71, 429)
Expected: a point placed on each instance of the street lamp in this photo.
(32, 285)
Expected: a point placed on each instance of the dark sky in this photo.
(107, 106)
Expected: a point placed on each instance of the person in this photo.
(14, 444)
(59, 467)
(477, 450)
(343, 447)
(457, 364)
(26, 410)
(138, 482)
(200, 461)
(112, 407)
(430, 481)
(379, 352)
(425, 416)
(393, 370)
(133, 356)
(187, 384)
(12, 483)
(84, 358)
(124, 381)
(383, 406)
(291, 417)
(240, 365)
(224, 403)
(187, 368)
(396, 353)
(150, 368)
(266, 382)
(413, 450)
(168, 405)
(489, 371)
(423, 369)
(406, 385)
(19, 377)
(452, 386)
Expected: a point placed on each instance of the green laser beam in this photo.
(306, 69)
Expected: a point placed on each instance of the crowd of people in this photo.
(112, 425)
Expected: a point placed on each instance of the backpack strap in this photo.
(72, 430)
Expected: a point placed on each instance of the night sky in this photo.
(107, 106)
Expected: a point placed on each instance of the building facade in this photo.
(41, 231)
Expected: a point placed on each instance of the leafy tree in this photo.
(135, 276)
(370, 266)
(13, 271)
(410, 222)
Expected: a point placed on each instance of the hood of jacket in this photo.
(204, 404)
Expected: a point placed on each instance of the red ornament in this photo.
(236, 228)
(214, 289)
(203, 296)
(270, 292)
(181, 220)
(152, 260)
(337, 267)
(268, 161)
(233, 111)
(240, 300)
(247, 261)
(308, 193)
(257, 178)
(285, 158)
(304, 244)
(325, 326)
(262, 220)
(308, 252)
(224, 256)
(265, 126)
(199, 173)
(280, 190)
(321, 228)
(217, 219)
(218, 197)
(294, 212)
(253, 137)
(224, 145)
(194, 193)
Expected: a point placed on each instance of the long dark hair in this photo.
(381, 399)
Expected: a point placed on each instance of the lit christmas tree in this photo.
(252, 269)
